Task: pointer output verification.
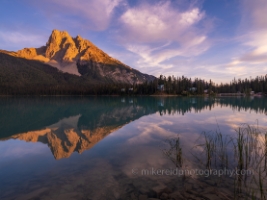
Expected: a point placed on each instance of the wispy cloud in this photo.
(257, 44)
(160, 22)
(94, 14)
(185, 37)
(253, 29)
(20, 39)
(158, 32)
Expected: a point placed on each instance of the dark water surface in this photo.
(110, 147)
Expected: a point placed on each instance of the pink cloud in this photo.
(254, 30)
(158, 32)
(94, 14)
(160, 22)
(21, 39)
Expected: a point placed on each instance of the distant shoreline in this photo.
(117, 95)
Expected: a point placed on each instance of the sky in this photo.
(210, 39)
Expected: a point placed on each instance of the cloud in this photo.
(160, 22)
(159, 32)
(251, 57)
(18, 40)
(254, 14)
(258, 42)
(254, 30)
(156, 37)
(256, 49)
(151, 34)
(93, 14)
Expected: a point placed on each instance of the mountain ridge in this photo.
(81, 57)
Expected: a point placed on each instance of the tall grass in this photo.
(215, 150)
(245, 150)
(209, 147)
(265, 152)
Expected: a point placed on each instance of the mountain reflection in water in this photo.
(96, 142)
(66, 129)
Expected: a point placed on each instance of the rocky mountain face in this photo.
(81, 57)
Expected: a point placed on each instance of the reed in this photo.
(209, 147)
(215, 150)
(246, 150)
(265, 152)
(179, 154)
(261, 187)
(174, 151)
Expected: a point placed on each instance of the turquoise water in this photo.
(99, 147)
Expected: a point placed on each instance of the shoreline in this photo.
(118, 95)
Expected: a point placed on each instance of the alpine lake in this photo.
(133, 148)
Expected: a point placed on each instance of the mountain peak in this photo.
(57, 36)
(78, 37)
(59, 44)
(59, 33)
